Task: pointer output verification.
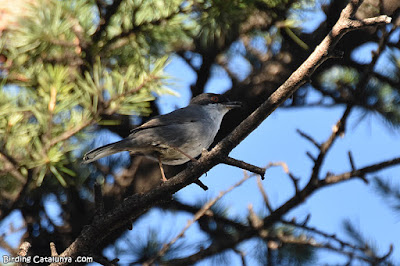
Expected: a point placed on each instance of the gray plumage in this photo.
(173, 137)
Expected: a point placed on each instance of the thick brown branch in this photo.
(136, 205)
(276, 215)
(298, 78)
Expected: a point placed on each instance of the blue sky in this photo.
(276, 139)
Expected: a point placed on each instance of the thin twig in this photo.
(353, 167)
(242, 255)
(306, 220)
(245, 166)
(333, 179)
(177, 205)
(257, 224)
(337, 130)
(351, 160)
(309, 155)
(324, 234)
(285, 168)
(309, 138)
(106, 19)
(264, 195)
(69, 133)
(384, 257)
(5, 246)
(23, 249)
(127, 93)
(10, 165)
(206, 207)
(282, 239)
(137, 28)
(136, 205)
(53, 250)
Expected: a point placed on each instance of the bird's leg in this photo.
(203, 153)
(161, 169)
(184, 153)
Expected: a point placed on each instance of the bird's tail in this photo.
(106, 150)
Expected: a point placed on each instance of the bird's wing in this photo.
(186, 115)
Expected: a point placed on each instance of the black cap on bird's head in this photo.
(212, 98)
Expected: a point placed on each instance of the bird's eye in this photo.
(214, 99)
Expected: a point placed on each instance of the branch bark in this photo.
(136, 205)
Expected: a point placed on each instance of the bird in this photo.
(174, 138)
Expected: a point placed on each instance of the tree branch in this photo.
(275, 216)
(245, 166)
(264, 195)
(206, 207)
(12, 164)
(137, 204)
(67, 134)
(23, 251)
(105, 20)
(333, 179)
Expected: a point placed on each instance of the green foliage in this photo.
(368, 245)
(274, 3)
(379, 96)
(59, 80)
(146, 246)
(389, 192)
(121, 90)
(141, 29)
(277, 253)
(49, 31)
(55, 94)
(370, 249)
(220, 24)
(337, 76)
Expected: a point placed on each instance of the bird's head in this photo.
(215, 99)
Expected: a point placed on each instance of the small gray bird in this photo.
(176, 137)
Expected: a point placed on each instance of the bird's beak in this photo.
(232, 105)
